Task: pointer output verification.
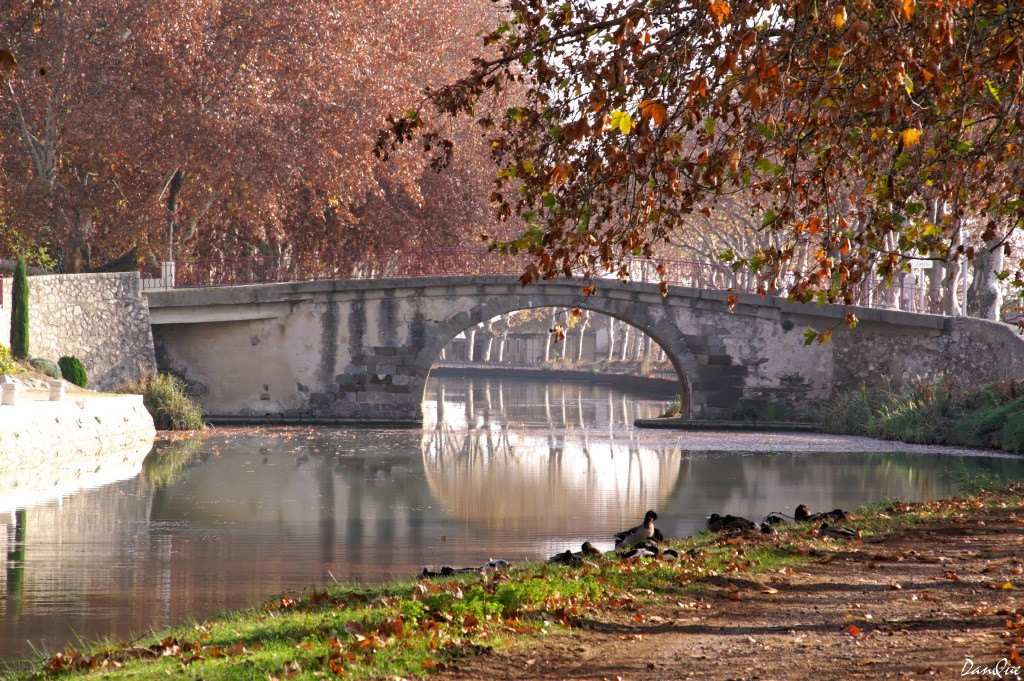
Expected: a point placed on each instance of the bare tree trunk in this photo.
(470, 344)
(951, 279)
(984, 299)
(583, 332)
(626, 331)
(611, 338)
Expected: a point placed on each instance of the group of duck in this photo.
(802, 514)
(645, 539)
(641, 541)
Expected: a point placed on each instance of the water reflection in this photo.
(514, 469)
(556, 451)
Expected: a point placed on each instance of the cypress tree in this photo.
(19, 312)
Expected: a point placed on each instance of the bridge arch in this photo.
(681, 351)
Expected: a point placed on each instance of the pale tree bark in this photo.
(951, 306)
(611, 338)
(584, 322)
(489, 330)
(984, 298)
(470, 343)
(503, 326)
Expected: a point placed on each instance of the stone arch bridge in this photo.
(336, 351)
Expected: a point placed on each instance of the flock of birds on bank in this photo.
(645, 539)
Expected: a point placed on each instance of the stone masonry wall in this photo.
(103, 319)
(972, 353)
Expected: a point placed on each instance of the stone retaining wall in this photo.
(103, 319)
(48, 449)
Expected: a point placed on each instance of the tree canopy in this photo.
(250, 125)
(863, 132)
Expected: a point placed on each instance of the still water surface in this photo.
(510, 469)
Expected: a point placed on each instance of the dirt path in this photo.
(914, 605)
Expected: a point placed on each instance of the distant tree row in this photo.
(244, 128)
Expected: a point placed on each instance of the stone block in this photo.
(58, 390)
(697, 344)
(719, 360)
(9, 393)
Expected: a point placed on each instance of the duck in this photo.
(639, 552)
(775, 518)
(803, 514)
(494, 564)
(827, 531)
(589, 549)
(567, 557)
(634, 535)
(729, 523)
(768, 528)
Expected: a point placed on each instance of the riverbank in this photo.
(927, 586)
(50, 448)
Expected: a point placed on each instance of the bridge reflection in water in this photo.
(511, 469)
(560, 460)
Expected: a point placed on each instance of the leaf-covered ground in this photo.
(929, 586)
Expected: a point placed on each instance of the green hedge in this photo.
(73, 371)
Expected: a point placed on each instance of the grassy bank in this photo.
(410, 628)
(933, 413)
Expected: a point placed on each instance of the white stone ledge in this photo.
(49, 449)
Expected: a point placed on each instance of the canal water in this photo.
(512, 469)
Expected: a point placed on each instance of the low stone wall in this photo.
(103, 319)
(48, 449)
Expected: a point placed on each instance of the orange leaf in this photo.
(911, 136)
(428, 664)
(839, 17)
(653, 109)
(732, 302)
(853, 630)
(720, 10)
(906, 8)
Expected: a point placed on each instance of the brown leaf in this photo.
(7, 62)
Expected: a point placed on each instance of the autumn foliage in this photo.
(250, 126)
(863, 133)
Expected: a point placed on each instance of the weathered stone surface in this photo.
(389, 334)
(102, 319)
(48, 448)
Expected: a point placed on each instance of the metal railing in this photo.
(247, 270)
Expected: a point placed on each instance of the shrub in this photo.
(1012, 437)
(73, 371)
(7, 365)
(921, 413)
(984, 427)
(166, 401)
(19, 312)
(46, 366)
